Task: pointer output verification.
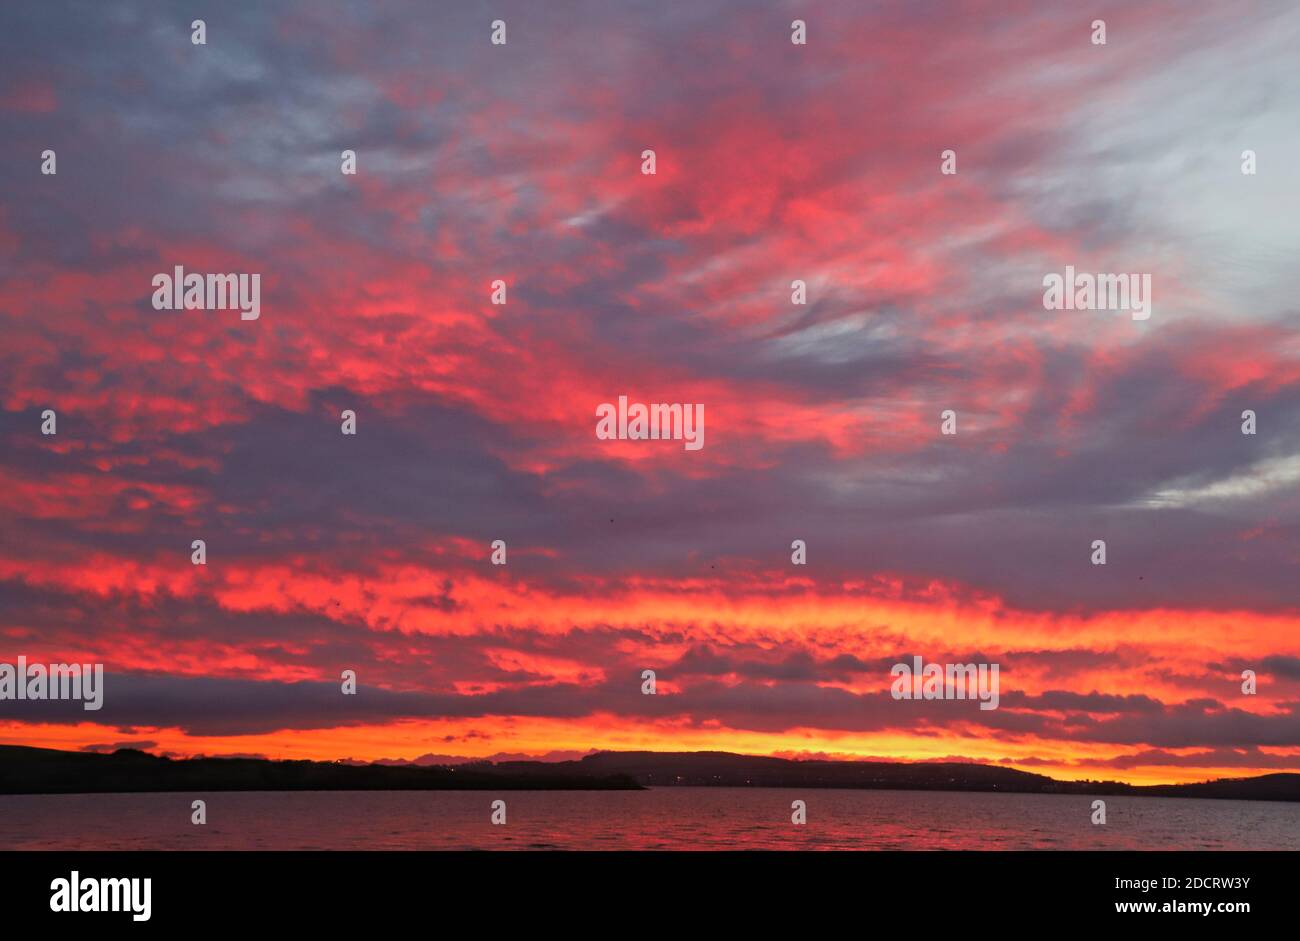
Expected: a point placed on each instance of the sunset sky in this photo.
(476, 422)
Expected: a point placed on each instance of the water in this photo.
(660, 818)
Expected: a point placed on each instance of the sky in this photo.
(523, 162)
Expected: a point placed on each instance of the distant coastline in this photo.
(26, 770)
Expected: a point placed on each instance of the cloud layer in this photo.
(476, 421)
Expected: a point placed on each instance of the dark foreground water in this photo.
(661, 818)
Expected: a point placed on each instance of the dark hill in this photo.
(45, 771)
(723, 769)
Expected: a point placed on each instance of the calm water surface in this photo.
(660, 818)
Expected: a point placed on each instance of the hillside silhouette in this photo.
(25, 770)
